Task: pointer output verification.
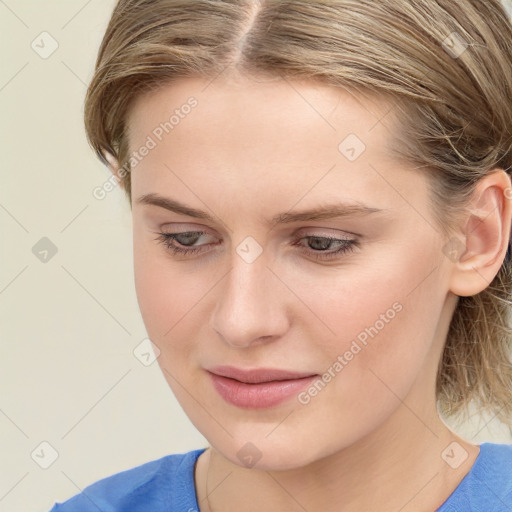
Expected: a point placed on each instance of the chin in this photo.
(264, 454)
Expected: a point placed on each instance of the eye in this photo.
(184, 238)
(318, 245)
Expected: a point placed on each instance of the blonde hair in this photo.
(445, 64)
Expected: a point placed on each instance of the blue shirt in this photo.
(167, 485)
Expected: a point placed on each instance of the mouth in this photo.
(258, 388)
(257, 375)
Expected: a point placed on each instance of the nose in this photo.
(251, 305)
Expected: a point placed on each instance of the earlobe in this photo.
(487, 234)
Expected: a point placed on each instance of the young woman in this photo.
(322, 211)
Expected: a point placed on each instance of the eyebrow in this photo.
(329, 211)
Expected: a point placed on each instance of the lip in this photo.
(258, 388)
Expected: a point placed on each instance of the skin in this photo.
(372, 438)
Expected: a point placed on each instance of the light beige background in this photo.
(69, 325)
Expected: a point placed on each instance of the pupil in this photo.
(320, 243)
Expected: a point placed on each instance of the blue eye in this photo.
(169, 239)
(319, 251)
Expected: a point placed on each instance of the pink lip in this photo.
(258, 388)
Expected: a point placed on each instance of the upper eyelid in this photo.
(305, 231)
(302, 231)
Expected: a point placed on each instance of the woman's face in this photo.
(365, 314)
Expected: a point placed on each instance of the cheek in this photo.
(172, 296)
(167, 308)
(154, 292)
(382, 323)
(161, 295)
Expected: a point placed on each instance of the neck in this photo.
(385, 471)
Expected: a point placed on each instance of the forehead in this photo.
(243, 136)
(253, 103)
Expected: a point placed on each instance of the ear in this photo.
(487, 234)
(113, 164)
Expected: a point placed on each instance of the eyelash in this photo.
(349, 245)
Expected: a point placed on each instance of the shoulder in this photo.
(162, 484)
(488, 485)
(495, 470)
